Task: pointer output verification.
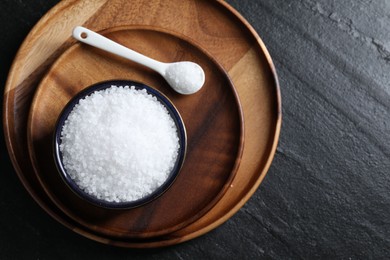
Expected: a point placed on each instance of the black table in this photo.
(327, 194)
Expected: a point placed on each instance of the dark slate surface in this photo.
(327, 194)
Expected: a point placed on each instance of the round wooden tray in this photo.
(212, 25)
(212, 116)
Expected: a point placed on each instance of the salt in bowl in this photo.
(81, 192)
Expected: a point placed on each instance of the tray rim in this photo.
(64, 220)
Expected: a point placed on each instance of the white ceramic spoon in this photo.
(184, 77)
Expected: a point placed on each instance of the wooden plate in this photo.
(212, 116)
(217, 28)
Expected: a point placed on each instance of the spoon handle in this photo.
(94, 39)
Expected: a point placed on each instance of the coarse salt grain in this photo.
(119, 144)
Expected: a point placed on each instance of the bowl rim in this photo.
(99, 86)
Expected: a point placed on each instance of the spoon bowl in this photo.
(185, 77)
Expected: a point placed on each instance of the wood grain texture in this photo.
(215, 27)
(213, 120)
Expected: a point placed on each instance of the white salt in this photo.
(119, 144)
(185, 77)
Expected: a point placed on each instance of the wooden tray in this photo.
(216, 28)
(212, 116)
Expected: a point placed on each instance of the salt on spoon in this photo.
(185, 77)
